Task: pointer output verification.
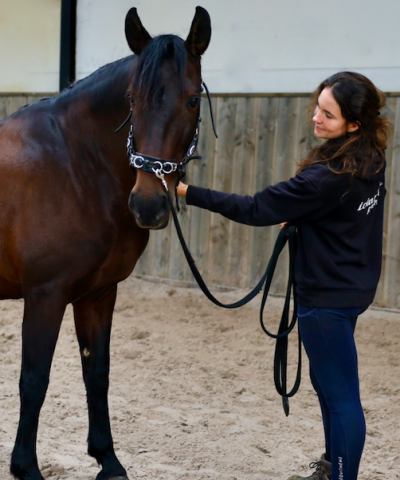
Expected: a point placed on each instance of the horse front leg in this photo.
(93, 318)
(43, 312)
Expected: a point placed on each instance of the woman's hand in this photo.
(283, 225)
(182, 189)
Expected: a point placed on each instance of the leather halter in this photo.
(159, 166)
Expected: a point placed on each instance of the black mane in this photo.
(161, 48)
(105, 88)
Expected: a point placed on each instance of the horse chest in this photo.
(122, 255)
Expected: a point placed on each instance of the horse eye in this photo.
(131, 99)
(193, 102)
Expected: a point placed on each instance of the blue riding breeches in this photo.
(328, 338)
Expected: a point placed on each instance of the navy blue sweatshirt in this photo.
(339, 229)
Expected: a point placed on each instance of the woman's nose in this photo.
(316, 118)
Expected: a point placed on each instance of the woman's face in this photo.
(328, 120)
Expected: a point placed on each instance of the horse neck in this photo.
(96, 106)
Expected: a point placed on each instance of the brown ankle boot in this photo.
(322, 471)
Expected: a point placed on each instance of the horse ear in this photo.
(136, 35)
(200, 32)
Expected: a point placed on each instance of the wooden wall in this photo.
(259, 141)
(260, 138)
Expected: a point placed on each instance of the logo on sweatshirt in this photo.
(340, 468)
(371, 202)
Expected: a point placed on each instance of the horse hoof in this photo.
(102, 476)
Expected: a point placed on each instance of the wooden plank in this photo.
(388, 293)
(285, 167)
(261, 241)
(201, 174)
(8, 107)
(143, 265)
(178, 268)
(287, 141)
(219, 226)
(3, 107)
(306, 138)
(155, 259)
(17, 102)
(238, 242)
(381, 294)
(159, 253)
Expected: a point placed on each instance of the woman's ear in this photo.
(352, 127)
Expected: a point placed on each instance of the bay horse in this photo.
(75, 218)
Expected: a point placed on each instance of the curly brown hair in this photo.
(361, 152)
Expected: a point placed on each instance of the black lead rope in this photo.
(288, 233)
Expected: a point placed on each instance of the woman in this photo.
(336, 200)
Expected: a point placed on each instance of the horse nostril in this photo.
(162, 209)
(131, 204)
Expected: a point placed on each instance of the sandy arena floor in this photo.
(192, 394)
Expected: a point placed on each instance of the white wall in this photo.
(260, 46)
(30, 45)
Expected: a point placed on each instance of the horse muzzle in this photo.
(151, 213)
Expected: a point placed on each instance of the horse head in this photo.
(164, 94)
